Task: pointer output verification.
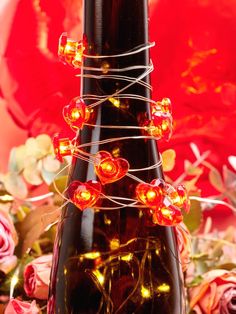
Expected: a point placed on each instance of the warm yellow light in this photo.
(116, 152)
(105, 67)
(127, 258)
(107, 166)
(165, 211)
(146, 293)
(75, 114)
(157, 252)
(151, 195)
(164, 288)
(92, 255)
(63, 148)
(14, 280)
(114, 244)
(86, 195)
(115, 102)
(99, 276)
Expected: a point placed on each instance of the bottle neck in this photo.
(114, 27)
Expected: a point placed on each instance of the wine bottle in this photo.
(115, 260)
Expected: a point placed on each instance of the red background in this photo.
(195, 67)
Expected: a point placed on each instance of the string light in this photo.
(70, 51)
(76, 113)
(163, 203)
(110, 169)
(62, 147)
(84, 195)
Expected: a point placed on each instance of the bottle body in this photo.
(115, 260)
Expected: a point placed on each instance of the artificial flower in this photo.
(37, 276)
(211, 294)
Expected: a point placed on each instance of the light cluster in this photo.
(164, 202)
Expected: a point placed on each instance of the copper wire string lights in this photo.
(164, 202)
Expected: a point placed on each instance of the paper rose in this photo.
(8, 241)
(213, 294)
(37, 276)
(228, 302)
(184, 245)
(19, 307)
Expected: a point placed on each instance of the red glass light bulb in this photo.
(62, 147)
(84, 195)
(160, 125)
(182, 200)
(71, 51)
(166, 105)
(108, 168)
(167, 216)
(150, 195)
(76, 113)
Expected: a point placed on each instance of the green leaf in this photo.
(36, 223)
(201, 257)
(195, 282)
(60, 184)
(191, 170)
(216, 179)
(227, 266)
(168, 160)
(194, 218)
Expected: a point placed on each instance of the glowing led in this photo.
(146, 293)
(163, 288)
(76, 113)
(110, 169)
(127, 258)
(114, 244)
(160, 125)
(14, 280)
(105, 67)
(84, 195)
(166, 105)
(115, 102)
(92, 255)
(167, 216)
(71, 51)
(151, 195)
(99, 276)
(62, 147)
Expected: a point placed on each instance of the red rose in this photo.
(19, 307)
(8, 241)
(211, 295)
(37, 276)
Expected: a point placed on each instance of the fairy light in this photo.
(70, 51)
(110, 166)
(62, 147)
(91, 255)
(114, 244)
(76, 114)
(14, 281)
(163, 288)
(127, 258)
(99, 276)
(115, 102)
(145, 292)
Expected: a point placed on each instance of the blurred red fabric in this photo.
(194, 60)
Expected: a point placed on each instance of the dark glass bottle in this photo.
(115, 261)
